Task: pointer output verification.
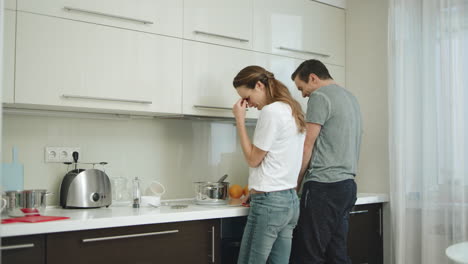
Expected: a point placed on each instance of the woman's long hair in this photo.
(276, 91)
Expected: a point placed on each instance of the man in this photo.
(329, 165)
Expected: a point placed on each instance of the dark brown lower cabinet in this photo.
(182, 242)
(365, 238)
(23, 250)
(232, 230)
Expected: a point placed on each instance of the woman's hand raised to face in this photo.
(239, 108)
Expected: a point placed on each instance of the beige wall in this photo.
(366, 77)
(174, 152)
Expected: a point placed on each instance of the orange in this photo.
(246, 190)
(235, 191)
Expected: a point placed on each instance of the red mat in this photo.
(33, 219)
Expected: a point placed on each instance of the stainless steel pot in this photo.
(211, 193)
(26, 202)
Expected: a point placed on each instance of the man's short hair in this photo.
(311, 66)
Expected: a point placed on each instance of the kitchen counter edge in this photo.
(85, 219)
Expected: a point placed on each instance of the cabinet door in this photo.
(70, 64)
(224, 22)
(10, 4)
(365, 243)
(23, 250)
(185, 242)
(232, 230)
(208, 74)
(300, 28)
(156, 16)
(9, 56)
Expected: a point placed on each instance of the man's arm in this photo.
(312, 132)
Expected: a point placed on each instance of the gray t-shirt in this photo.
(336, 150)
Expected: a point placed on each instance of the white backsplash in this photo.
(174, 152)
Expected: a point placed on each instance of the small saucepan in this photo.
(26, 202)
(211, 193)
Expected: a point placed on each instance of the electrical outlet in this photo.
(60, 154)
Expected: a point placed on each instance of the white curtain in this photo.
(428, 100)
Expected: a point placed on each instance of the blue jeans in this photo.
(322, 231)
(270, 224)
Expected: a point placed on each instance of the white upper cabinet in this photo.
(223, 22)
(337, 3)
(156, 16)
(208, 74)
(301, 29)
(10, 4)
(66, 63)
(160, 56)
(8, 56)
(210, 69)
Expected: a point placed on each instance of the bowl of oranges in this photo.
(236, 192)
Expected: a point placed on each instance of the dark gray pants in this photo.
(322, 230)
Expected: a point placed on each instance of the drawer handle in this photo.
(206, 107)
(67, 8)
(106, 99)
(304, 51)
(87, 240)
(17, 246)
(359, 212)
(380, 222)
(212, 244)
(219, 35)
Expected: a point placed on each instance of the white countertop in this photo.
(116, 216)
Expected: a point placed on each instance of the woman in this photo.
(274, 159)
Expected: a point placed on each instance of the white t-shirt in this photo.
(277, 133)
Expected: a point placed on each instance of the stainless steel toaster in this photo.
(88, 188)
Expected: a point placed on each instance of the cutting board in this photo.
(33, 219)
(12, 174)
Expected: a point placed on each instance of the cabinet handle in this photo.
(212, 244)
(67, 8)
(17, 246)
(87, 240)
(380, 222)
(359, 212)
(106, 99)
(206, 107)
(304, 51)
(219, 35)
